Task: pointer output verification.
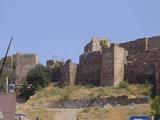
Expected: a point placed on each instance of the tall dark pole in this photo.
(4, 61)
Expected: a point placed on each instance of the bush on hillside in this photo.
(123, 84)
(155, 106)
(38, 77)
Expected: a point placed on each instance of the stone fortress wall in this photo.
(135, 61)
(88, 70)
(96, 66)
(142, 60)
(101, 67)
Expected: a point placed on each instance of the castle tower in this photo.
(24, 63)
(112, 66)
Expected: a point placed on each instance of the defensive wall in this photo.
(135, 61)
(68, 73)
(88, 71)
(142, 59)
(96, 66)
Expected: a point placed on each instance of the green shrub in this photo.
(68, 61)
(38, 77)
(149, 90)
(123, 85)
(155, 106)
(104, 44)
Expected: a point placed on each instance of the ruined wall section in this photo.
(112, 67)
(142, 56)
(92, 46)
(89, 69)
(154, 43)
(68, 74)
(24, 63)
(63, 74)
(140, 67)
(137, 46)
(142, 45)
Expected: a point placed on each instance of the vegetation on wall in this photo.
(103, 44)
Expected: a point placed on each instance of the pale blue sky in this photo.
(61, 28)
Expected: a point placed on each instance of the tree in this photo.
(38, 77)
(68, 61)
(155, 106)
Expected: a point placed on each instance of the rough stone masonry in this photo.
(136, 61)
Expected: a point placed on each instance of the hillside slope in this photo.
(54, 93)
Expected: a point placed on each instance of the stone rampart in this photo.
(136, 46)
(68, 73)
(92, 46)
(89, 69)
(134, 61)
(140, 67)
(154, 42)
(142, 56)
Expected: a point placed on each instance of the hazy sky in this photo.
(61, 28)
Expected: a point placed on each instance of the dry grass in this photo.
(33, 113)
(115, 113)
(54, 93)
